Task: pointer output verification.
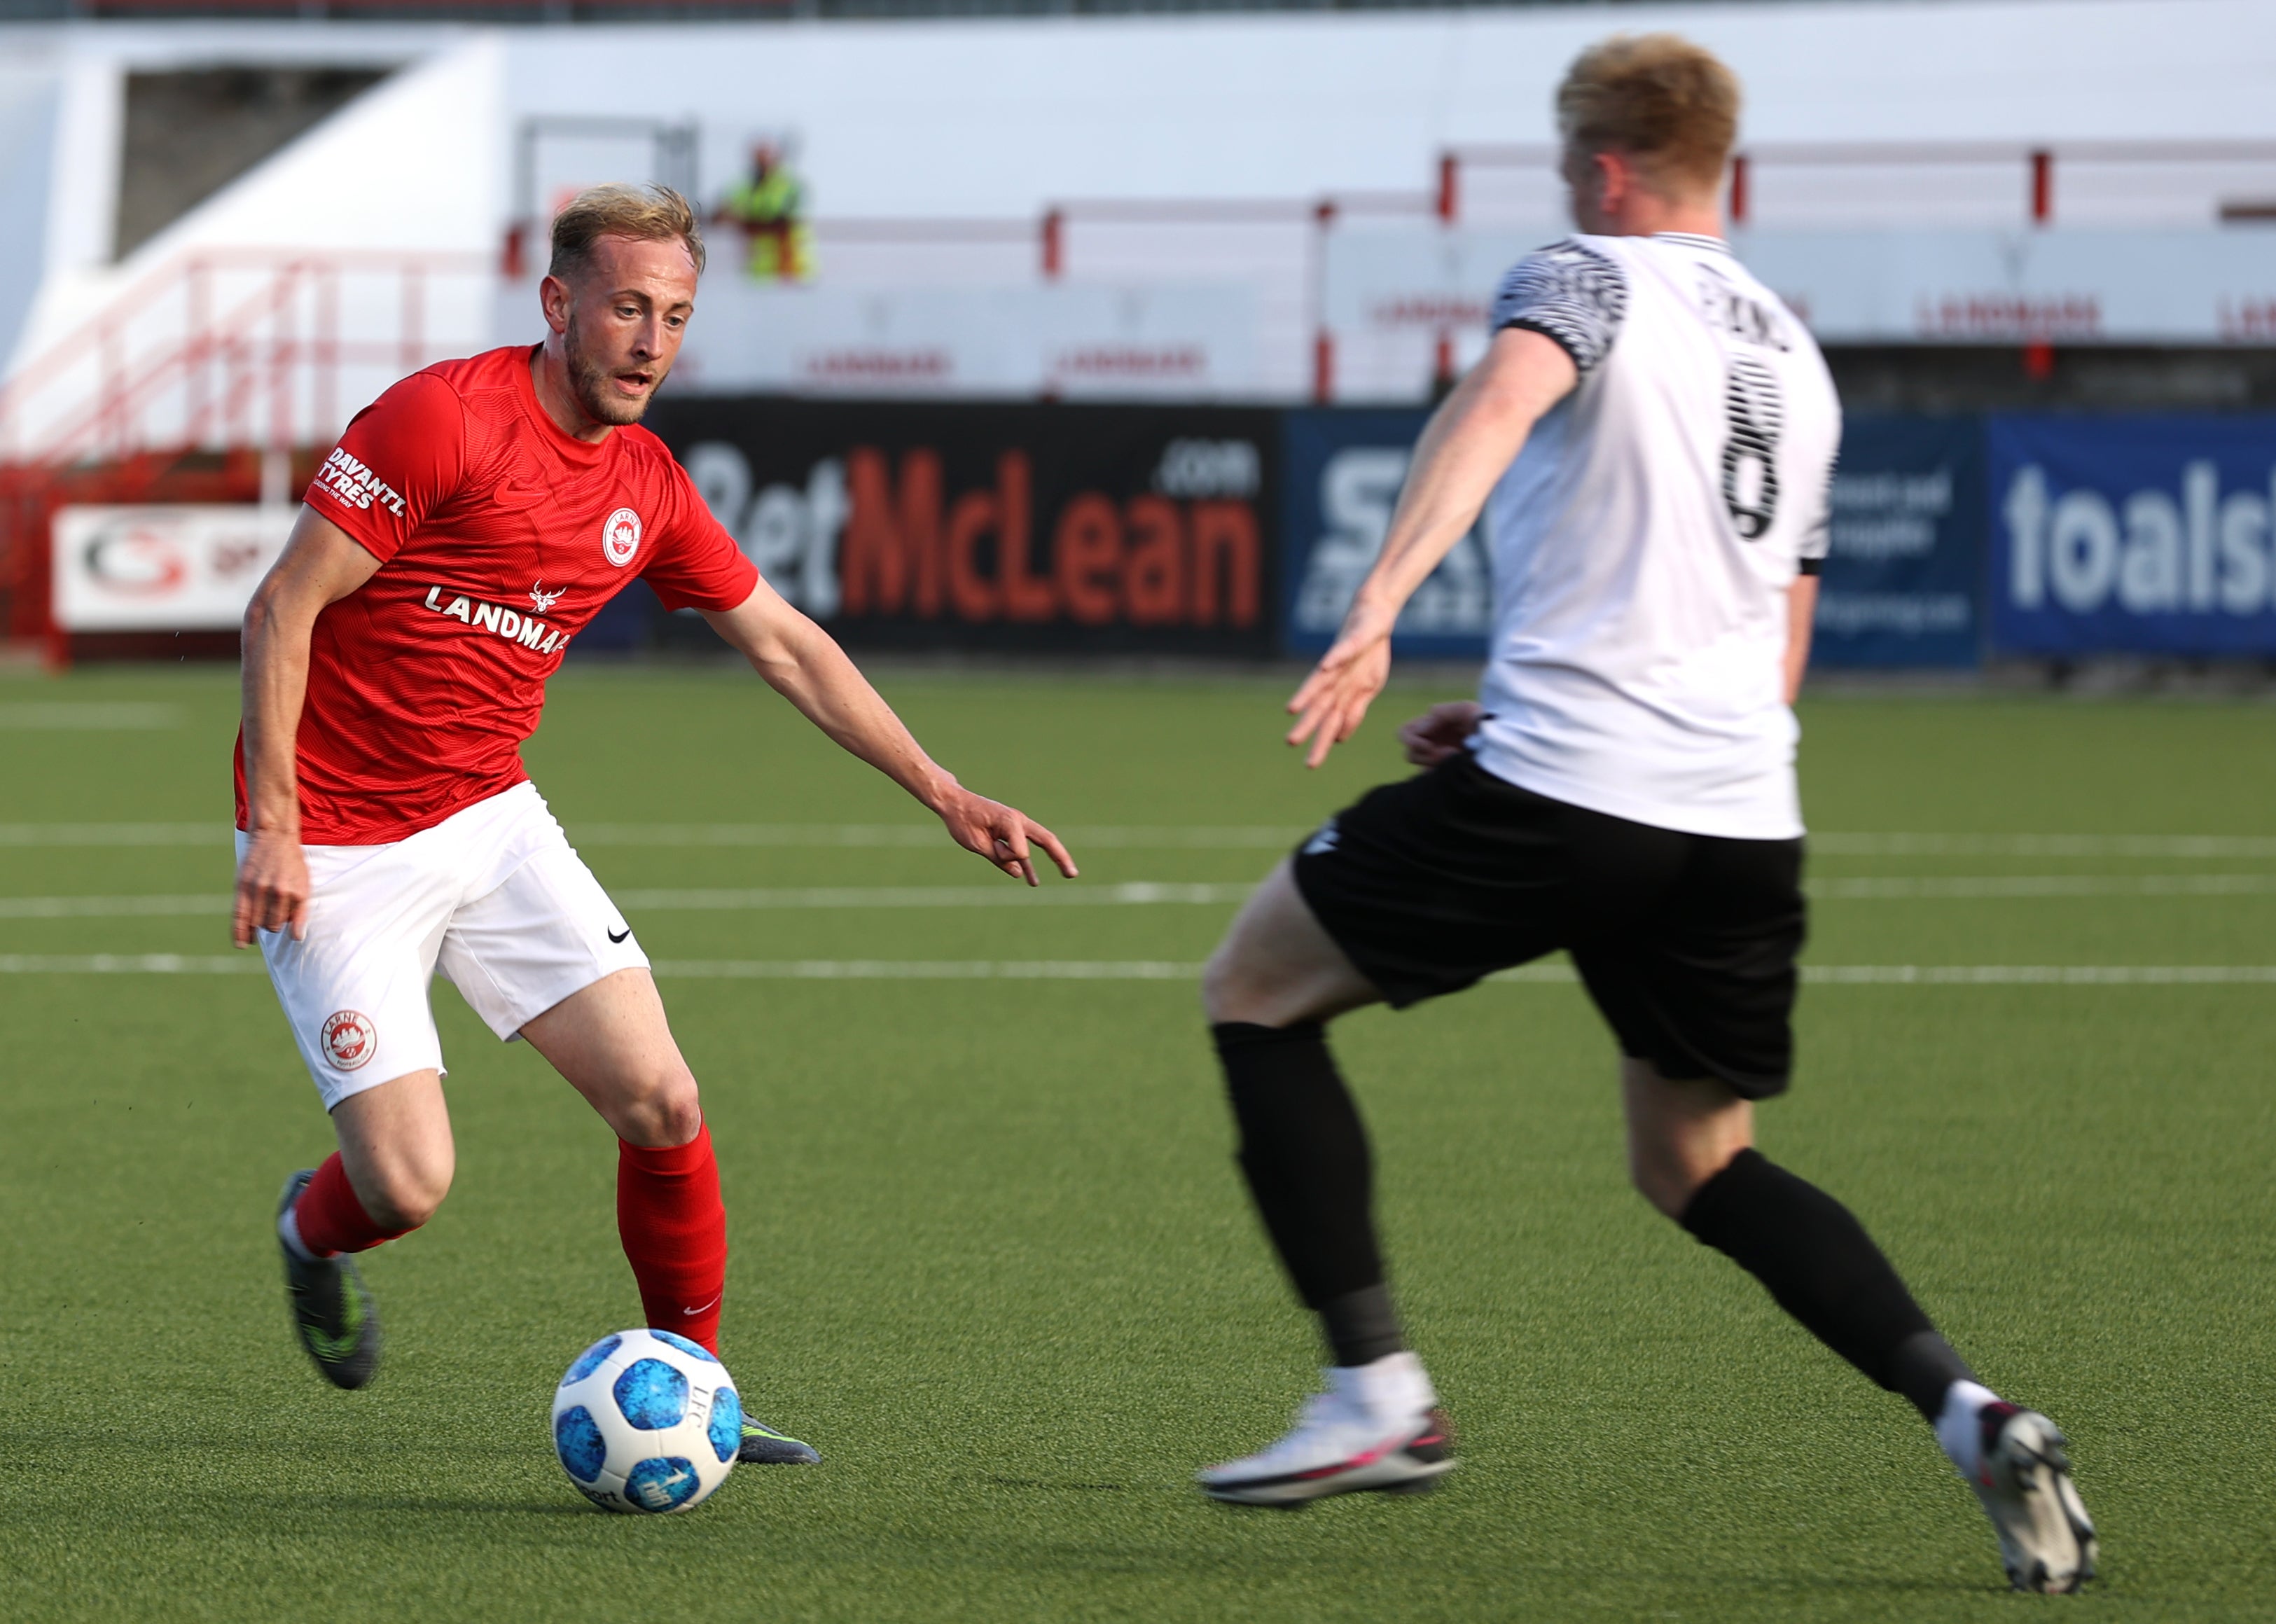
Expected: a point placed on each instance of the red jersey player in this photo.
(473, 520)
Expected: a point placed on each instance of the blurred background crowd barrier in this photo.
(1081, 333)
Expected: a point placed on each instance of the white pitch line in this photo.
(2042, 846)
(913, 836)
(1986, 975)
(927, 969)
(1895, 888)
(1178, 970)
(214, 832)
(1177, 837)
(1163, 836)
(109, 908)
(1133, 893)
(2040, 975)
(1127, 894)
(129, 964)
(81, 716)
(1143, 894)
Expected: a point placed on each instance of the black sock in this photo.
(1922, 1367)
(1361, 1325)
(1305, 1156)
(1824, 1270)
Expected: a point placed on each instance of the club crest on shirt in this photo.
(348, 1038)
(541, 600)
(620, 536)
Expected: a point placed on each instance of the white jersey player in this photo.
(1653, 436)
(1641, 619)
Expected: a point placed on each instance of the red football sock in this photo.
(330, 1217)
(675, 1234)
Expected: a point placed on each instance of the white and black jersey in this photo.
(1644, 539)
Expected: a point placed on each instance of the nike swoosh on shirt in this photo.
(614, 936)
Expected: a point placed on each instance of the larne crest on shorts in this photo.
(348, 1039)
(620, 536)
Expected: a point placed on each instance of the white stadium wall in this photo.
(1189, 153)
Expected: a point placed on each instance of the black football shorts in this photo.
(1686, 942)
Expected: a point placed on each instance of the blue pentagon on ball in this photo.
(592, 1359)
(577, 1439)
(726, 1429)
(651, 1394)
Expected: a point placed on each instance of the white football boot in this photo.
(1377, 1427)
(2020, 1473)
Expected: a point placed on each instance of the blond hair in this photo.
(1656, 98)
(646, 214)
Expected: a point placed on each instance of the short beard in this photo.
(589, 382)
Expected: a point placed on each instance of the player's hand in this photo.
(1333, 701)
(1438, 732)
(1001, 834)
(272, 889)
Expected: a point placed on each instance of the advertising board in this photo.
(1069, 528)
(1904, 574)
(2133, 536)
(155, 568)
(1343, 469)
(1902, 587)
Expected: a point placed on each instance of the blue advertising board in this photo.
(1342, 470)
(2133, 536)
(1904, 573)
(1903, 586)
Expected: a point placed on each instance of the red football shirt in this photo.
(498, 538)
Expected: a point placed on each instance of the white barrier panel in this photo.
(1075, 340)
(2210, 286)
(2216, 287)
(161, 569)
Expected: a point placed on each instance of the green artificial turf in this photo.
(991, 1255)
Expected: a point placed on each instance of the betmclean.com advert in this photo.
(1090, 529)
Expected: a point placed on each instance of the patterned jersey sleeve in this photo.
(401, 456)
(698, 565)
(1569, 292)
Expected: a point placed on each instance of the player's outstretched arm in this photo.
(804, 664)
(1466, 447)
(320, 566)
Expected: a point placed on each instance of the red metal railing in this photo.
(235, 346)
(220, 353)
(2030, 168)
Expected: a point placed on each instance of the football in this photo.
(647, 1421)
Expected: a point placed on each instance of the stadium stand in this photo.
(245, 230)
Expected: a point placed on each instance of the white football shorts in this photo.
(492, 896)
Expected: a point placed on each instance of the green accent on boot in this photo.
(763, 1445)
(332, 1311)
